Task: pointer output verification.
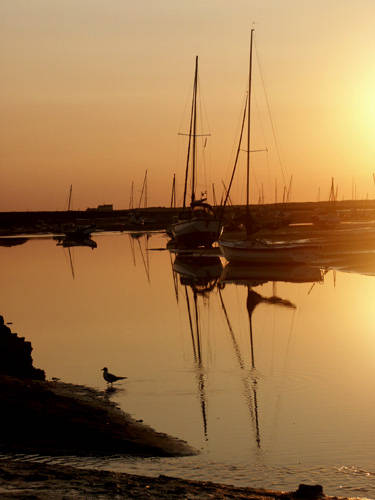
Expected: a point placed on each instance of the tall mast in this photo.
(189, 143)
(131, 201)
(70, 197)
(248, 127)
(173, 195)
(144, 192)
(193, 179)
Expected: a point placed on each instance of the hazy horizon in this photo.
(95, 93)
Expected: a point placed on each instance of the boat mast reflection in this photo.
(197, 353)
(138, 237)
(251, 276)
(249, 393)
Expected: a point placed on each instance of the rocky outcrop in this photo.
(15, 355)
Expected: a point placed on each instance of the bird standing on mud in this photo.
(109, 377)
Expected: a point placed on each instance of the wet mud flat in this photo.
(56, 418)
(28, 480)
(52, 418)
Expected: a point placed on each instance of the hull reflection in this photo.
(71, 242)
(200, 272)
(253, 275)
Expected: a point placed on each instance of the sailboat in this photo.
(252, 250)
(197, 224)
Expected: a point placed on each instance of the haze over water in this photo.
(300, 410)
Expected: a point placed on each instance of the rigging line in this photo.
(69, 260)
(236, 159)
(227, 191)
(236, 134)
(191, 324)
(273, 128)
(144, 261)
(284, 370)
(175, 279)
(132, 249)
(246, 384)
(235, 343)
(203, 116)
(71, 263)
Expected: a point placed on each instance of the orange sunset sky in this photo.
(94, 92)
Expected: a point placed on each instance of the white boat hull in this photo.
(254, 252)
(196, 232)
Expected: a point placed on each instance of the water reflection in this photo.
(77, 236)
(200, 275)
(231, 366)
(356, 262)
(12, 242)
(256, 275)
(196, 342)
(140, 241)
(249, 379)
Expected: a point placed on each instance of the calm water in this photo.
(286, 401)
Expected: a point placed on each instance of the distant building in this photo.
(101, 208)
(105, 208)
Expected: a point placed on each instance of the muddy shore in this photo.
(55, 418)
(28, 480)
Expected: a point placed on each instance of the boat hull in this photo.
(259, 253)
(196, 232)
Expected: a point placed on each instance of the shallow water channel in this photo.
(271, 380)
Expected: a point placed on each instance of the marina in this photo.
(187, 249)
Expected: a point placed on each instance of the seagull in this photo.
(109, 377)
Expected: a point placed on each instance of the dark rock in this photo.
(15, 355)
(309, 491)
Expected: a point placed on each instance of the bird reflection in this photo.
(110, 390)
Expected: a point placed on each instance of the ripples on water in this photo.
(337, 480)
(285, 402)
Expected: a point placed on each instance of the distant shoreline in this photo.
(160, 218)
